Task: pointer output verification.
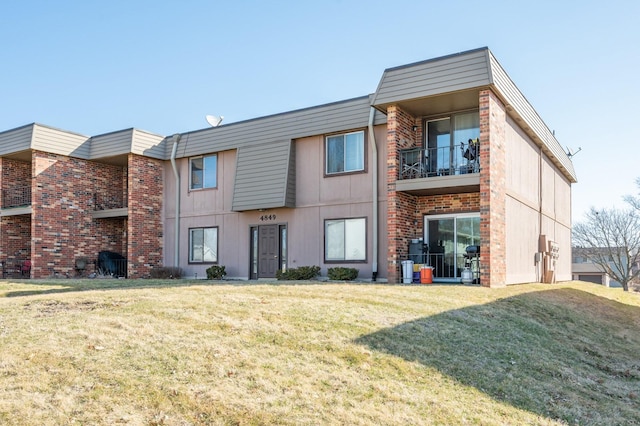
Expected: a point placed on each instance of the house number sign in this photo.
(267, 217)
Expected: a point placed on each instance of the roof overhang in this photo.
(453, 82)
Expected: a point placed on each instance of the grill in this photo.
(471, 273)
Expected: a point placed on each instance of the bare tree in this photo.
(610, 238)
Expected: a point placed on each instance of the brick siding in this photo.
(145, 215)
(15, 231)
(401, 207)
(62, 226)
(492, 190)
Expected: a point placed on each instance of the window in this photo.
(448, 237)
(203, 172)
(345, 153)
(345, 240)
(203, 245)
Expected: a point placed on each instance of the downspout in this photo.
(176, 251)
(540, 254)
(374, 174)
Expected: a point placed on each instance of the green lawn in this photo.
(183, 352)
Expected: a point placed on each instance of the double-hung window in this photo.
(345, 240)
(203, 245)
(345, 153)
(203, 172)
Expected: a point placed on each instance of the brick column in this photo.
(492, 190)
(401, 207)
(144, 228)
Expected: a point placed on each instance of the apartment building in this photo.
(447, 154)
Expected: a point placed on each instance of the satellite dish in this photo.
(571, 152)
(213, 120)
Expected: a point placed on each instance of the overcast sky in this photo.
(94, 67)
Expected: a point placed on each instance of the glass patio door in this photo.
(448, 237)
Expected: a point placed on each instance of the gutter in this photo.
(374, 174)
(176, 257)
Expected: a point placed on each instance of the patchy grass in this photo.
(154, 352)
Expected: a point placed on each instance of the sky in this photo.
(94, 67)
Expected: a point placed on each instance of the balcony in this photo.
(16, 201)
(443, 170)
(109, 204)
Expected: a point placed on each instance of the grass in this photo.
(183, 352)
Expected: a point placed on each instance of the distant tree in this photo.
(610, 238)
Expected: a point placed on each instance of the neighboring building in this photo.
(583, 269)
(446, 150)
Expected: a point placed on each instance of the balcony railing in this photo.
(108, 200)
(18, 196)
(449, 266)
(419, 163)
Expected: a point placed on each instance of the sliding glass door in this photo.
(448, 236)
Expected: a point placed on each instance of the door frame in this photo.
(456, 256)
(254, 248)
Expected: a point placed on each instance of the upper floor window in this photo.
(203, 172)
(345, 153)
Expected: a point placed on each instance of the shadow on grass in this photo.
(563, 354)
(54, 286)
(62, 285)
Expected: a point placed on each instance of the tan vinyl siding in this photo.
(148, 144)
(340, 116)
(55, 141)
(290, 200)
(530, 117)
(111, 144)
(16, 140)
(433, 77)
(261, 176)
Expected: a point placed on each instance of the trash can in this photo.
(407, 271)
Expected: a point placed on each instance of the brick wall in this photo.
(492, 190)
(448, 203)
(62, 225)
(15, 237)
(15, 231)
(145, 215)
(15, 173)
(401, 208)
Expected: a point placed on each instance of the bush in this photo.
(216, 272)
(165, 272)
(301, 273)
(342, 274)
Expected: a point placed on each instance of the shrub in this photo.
(300, 273)
(342, 274)
(164, 272)
(216, 272)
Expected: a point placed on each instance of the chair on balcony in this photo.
(412, 165)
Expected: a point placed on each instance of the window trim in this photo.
(364, 156)
(366, 241)
(191, 188)
(190, 247)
